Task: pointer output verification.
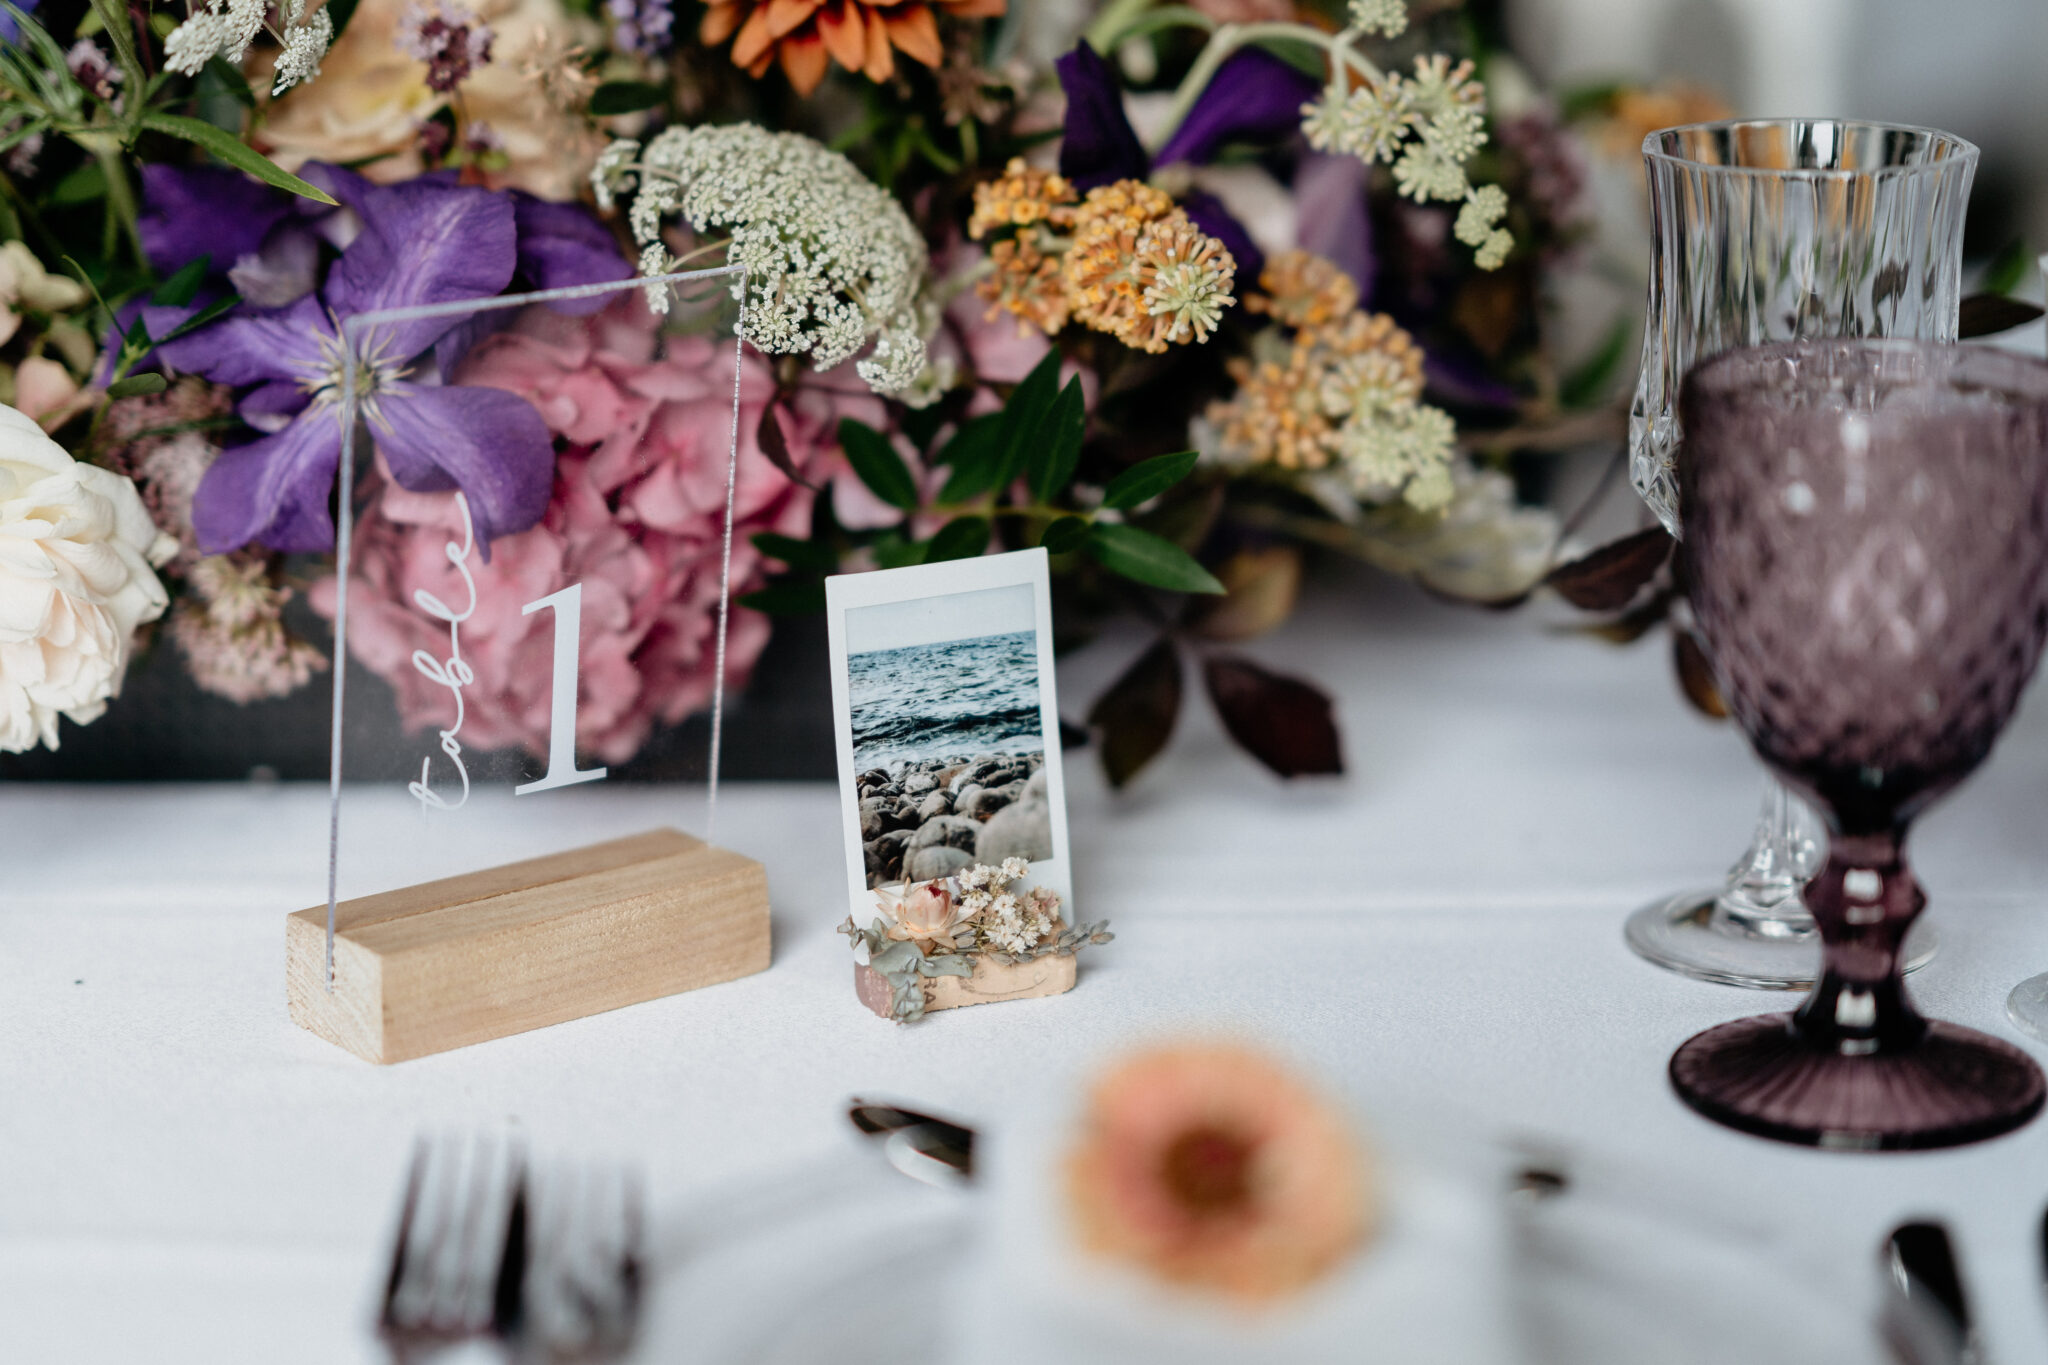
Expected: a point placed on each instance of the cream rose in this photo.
(76, 548)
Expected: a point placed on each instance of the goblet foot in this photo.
(1955, 1086)
(2027, 1006)
(1683, 934)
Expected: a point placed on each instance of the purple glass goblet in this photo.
(1866, 537)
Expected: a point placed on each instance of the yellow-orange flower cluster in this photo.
(861, 35)
(1212, 1168)
(1342, 393)
(1123, 260)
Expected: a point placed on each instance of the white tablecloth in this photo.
(184, 1175)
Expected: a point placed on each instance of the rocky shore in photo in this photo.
(932, 817)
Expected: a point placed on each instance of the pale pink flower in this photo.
(636, 519)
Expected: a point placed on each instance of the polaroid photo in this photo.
(947, 722)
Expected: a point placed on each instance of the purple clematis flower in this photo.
(1253, 97)
(421, 242)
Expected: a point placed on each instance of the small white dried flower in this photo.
(306, 39)
(1494, 250)
(1368, 122)
(223, 29)
(1389, 17)
(1406, 448)
(1014, 868)
(895, 364)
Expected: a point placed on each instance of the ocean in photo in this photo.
(975, 696)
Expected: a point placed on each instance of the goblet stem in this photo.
(1863, 901)
(1762, 895)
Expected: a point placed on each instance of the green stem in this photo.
(121, 210)
(1230, 37)
(1108, 29)
(113, 17)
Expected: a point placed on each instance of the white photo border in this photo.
(845, 592)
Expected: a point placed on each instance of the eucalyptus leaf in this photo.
(1028, 409)
(1147, 558)
(975, 455)
(1147, 479)
(234, 152)
(877, 464)
(894, 552)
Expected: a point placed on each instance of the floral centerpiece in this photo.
(1186, 294)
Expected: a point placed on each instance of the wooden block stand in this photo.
(450, 963)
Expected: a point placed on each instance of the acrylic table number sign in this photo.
(544, 508)
(952, 792)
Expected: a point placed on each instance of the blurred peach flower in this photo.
(635, 518)
(372, 97)
(924, 913)
(1213, 1168)
(861, 35)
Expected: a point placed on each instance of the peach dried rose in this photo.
(1214, 1168)
(926, 912)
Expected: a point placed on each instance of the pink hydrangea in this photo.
(635, 518)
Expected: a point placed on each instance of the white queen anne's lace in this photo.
(832, 260)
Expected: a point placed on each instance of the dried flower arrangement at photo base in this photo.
(966, 940)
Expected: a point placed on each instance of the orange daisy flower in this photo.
(861, 35)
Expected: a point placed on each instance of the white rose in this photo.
(76, 547)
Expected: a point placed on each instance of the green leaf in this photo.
(790, 597)
(1050, 461)
(201, 318)
(2007, 268)
(1064, 536)
(624, 97)
(1148, 559)
(960, 538)
(179, 289)
(975, 455)
(1025, 413)
(1147, 479)
(235, 152)
(894, 552)
(877, 464)
(340, 11)
(15, 137)
(86, 183)
(231, 80)
(798, 554)
(1586, 385)
(137, 383)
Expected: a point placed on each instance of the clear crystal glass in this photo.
(1769, 230)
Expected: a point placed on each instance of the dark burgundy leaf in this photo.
(1134, 718)
(776, 447)
(1633, 624)
(1983, 315)
(1285, 723)
(1609, 578)
(1696, 676)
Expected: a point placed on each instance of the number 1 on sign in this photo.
(562, 770)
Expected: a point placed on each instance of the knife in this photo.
(1927, 1315)
(923, 1147)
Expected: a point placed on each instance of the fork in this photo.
(459, 1259)
(583, 1290)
